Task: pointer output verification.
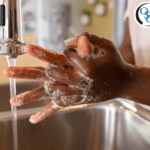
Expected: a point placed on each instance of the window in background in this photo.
(29, 21)
(35, 26)
(63, 21)
(59, 23)
(49, 22)
(119, 21)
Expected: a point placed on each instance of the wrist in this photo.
(127, 54)
(138, 85)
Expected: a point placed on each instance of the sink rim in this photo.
(115, 103)
(112, 112)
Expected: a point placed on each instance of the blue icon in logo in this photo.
(145, 11)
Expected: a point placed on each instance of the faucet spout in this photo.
(11, 42)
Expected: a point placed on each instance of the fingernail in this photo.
(12, 102)
(19, 103)
(32, 120)
(70, 40)
(35, 118)
(18, 100)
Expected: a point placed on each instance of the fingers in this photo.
(70, 77)
(46, 55)
(53, 107)
(49, 91)
(94, 39)
(26, 73)
(81, 64)
(68, 100)
(47, 111)
(84, 46)
(58, 90)
(73, 42)
(28, 97)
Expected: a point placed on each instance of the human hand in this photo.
(94, 73)
(99, 61)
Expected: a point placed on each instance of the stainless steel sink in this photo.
(105, 126)
(21, 87)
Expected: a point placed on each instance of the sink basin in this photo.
(105, 126)
(21, 87)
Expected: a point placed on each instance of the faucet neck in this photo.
(11, 44)
(14, 20)
(13, 23)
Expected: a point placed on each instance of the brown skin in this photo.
(126, 47)
(108, 71)
(110, 75)
(128, 56)
(138, 89)
(124, 80)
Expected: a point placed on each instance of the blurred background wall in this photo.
(36, 14)
(102, 25)
(30, 7)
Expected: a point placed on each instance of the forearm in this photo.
(126, 47)
(127, 54)
(138, 88)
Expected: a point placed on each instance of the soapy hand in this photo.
(94, 72)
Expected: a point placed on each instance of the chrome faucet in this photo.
(11, 45)
(11, 42)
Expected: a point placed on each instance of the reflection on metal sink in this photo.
(105, 126)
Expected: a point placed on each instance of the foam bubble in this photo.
(20, 103)
(86, 89)
(47, 89)
(100, 53)
(41, 76)
(20, 98)
(55, 106)
(44, 114)
(57, 93)
(44, 97)
(40, 53)
(49, 70)
(54, 66)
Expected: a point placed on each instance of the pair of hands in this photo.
(91, 70)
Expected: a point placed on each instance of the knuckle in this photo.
(87, 34)
(88, 72)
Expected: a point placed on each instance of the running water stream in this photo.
(12, 62)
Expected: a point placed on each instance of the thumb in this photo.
(85, 46)
(73, 42)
